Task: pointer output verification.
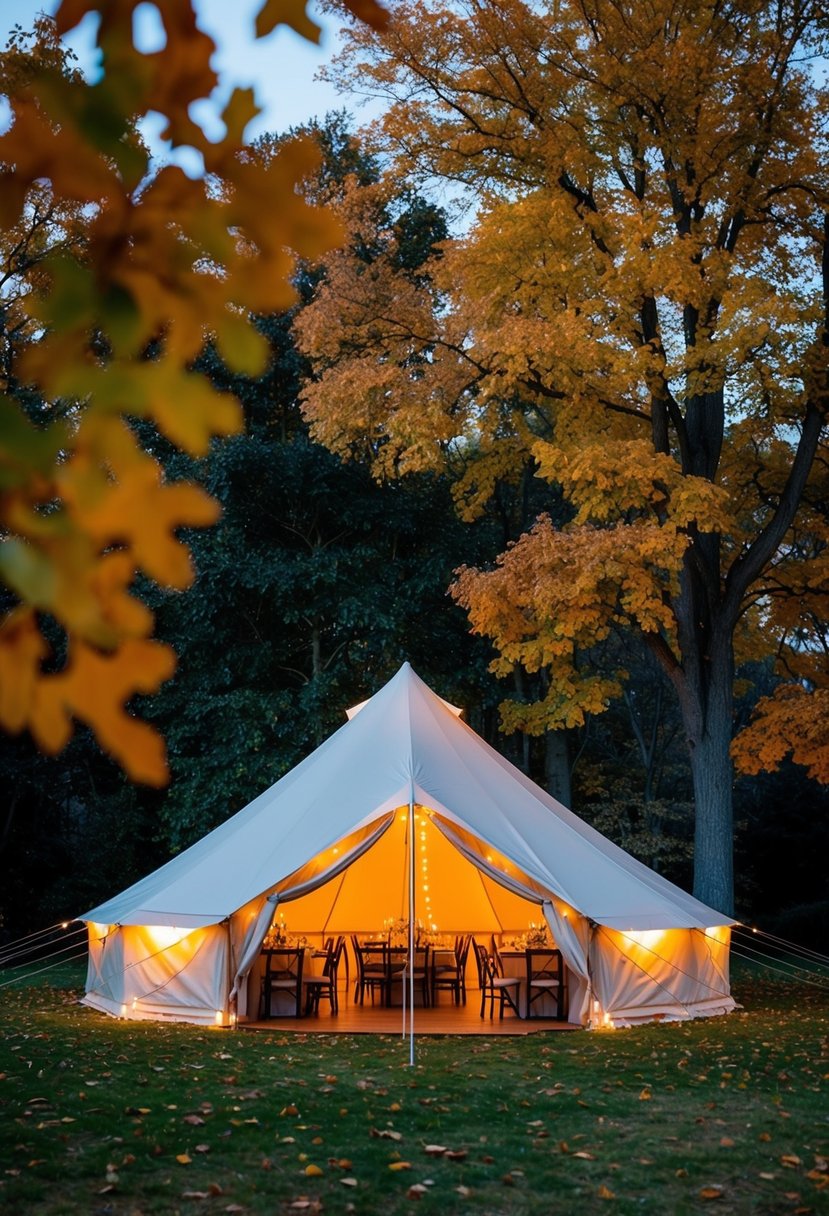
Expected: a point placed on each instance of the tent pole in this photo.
(411, 922)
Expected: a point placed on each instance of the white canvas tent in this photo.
(330, 848)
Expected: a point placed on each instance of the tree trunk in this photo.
(714, 827)
(557, 766)
(712, 772)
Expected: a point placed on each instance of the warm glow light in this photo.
(165, 936)
(123, 1011)
(648, 938)
(64, 924)
(219, 1017)
(718, 932)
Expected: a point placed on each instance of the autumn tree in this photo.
(639, 306)
(166, 261)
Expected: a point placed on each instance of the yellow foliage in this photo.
(795, 723)
(158, 261)
(555, 594)
(636, 303)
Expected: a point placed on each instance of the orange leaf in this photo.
(94, 688)
(286, 12)
(369, 11)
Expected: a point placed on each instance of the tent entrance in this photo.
(452, 894)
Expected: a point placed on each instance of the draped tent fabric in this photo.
(327, 844)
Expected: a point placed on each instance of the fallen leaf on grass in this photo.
(585, 1156)
(313, 1171)
(195, 1195)
(790, 1160)
(193, 1120)
(711, 1192)
(645, 1096)
(183, 1158)
(400, 1165)
(434, 1150)
(416, 1190)
(604, 1192)
(386, 1133)
(348, 1181)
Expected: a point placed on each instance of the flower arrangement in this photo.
(536, 936)
(278, 937)
(398, 931)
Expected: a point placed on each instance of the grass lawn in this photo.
(725, 1115)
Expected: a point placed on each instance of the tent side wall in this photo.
(159, 972)
(657, 974)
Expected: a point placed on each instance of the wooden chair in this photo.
(493, 984)
(325, 985)
(545, 977)
(452, 976)
(462, 955)
(422, 972)
(372, 971)
(283, 973)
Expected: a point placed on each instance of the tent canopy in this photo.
(405, 744)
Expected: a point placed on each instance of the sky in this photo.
(281, 68)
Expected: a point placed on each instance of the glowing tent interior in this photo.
(328, 847)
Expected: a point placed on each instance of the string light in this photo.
(424, 875)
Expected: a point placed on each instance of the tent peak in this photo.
(407, 677)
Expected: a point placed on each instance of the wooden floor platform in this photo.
(443, 1019)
